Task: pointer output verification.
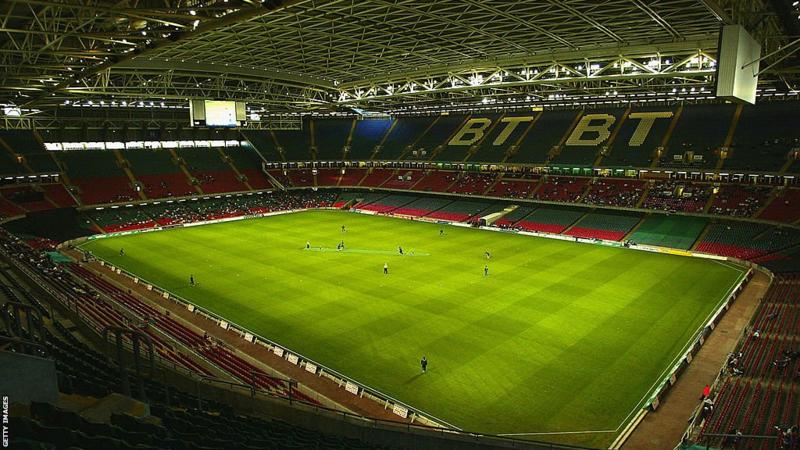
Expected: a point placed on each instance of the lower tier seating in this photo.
(611, 226)
(550, 219)
(669, 231)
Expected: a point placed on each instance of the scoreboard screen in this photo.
(217, 113)
(220, 113)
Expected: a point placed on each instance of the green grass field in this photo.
(560, 337)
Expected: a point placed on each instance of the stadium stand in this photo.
(422, 206)
(550, 219)
(461, 152)
(294, 144)
(177, 212)
(561, 189)
(489, 150)
(404, 179)
(376, 177)
(21, 142)
(247, 161)
(634, 148)
(158, 173)
(545, 134)
(746, 240)
(509, 220)
(434, 141)
(402, 136)
(698, 136)
(460, 210)
(757, 396)
(514, 188)
(767, 132)
(677, 196)
(785, 207)
(610, 192)
(576, 154)
(29, 198)
(264, 143)
(330, 138)
(367, 135)
(611, 226)
(739, 201)
(352, 177)
(436, 181)
(212, 173)
(302, 177)
(97, 176)
(386, 204)
(472, 183)
(669, 231)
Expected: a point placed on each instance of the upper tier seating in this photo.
(491, 151)
(263, 142)
(22, 142)
(42, 162)
(611, 226)
(739, 201)
(437, 136)
(677, 196)
(764, 136)
(562, 189)
(295, 143)
(459, 152)
(669, 231)
(545, 134)
(583, 155)
(366, 137)
(625, 193)
(632, 147)
(701, 130)
(331, 137)
(785, 207)
(407, 130)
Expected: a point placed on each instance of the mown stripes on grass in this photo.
(559, 337)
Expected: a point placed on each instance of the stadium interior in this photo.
(600, 123)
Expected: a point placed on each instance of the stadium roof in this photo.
(380, 55)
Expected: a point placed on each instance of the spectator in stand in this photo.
(706, 392)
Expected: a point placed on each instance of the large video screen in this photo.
(220, 113)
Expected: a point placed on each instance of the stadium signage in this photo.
(400, 411)
(277, 351)
(591, 130)
(311, 367)
(351, 388)
(293, 359)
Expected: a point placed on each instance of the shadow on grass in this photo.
(411, 380)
